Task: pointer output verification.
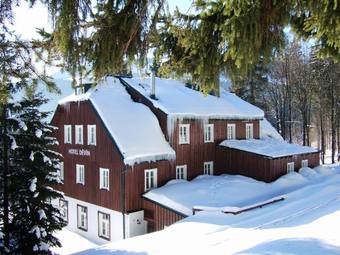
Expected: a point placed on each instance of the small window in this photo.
(80, 174)
(104, 178)
(79, 90)
(181, 172)
(91, 134)
(209, 133)
(82, 217)
(209, 168)
(304, 163)
(231, 131)
(104, 225)
(79, 134)
(61, 171)
(249, 131)
(184, 133)
(63, 204)
(67, 134)
(290, 167)
(150, 179)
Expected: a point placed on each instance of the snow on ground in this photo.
(71, 243)
(307, 222)
(121, 115)
(174, 98)
(268, 147)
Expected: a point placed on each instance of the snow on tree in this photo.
(32, 170)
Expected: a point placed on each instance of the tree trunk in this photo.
(5, 178)
(333, 124)
(322, 134)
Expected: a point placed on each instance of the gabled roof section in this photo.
(272, 148)
(134, 128)
(175, 99)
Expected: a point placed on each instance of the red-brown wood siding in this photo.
(197, 152)
(260, 167)
(158, 216)
(103, 155)
(134, 180)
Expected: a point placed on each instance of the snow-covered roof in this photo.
(268, 131)
(175, 99)
(133, 126)
(268, 147)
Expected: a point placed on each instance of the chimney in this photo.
(153, 84)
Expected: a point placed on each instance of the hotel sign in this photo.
(81, 152)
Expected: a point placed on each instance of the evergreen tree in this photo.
(33, 167)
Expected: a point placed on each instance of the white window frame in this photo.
(79, 134)
(231, 135)
(91, 141)
(304, 163)
(104, 225)
(249, 130)
(181, 172)
(290, 167)
(61, 171)
(63, 205)
(208, 168)
(209, 133)
(104, 178)
(150, 179)
(82, 217)
(68, 134)
(80, 174)
(184, 133)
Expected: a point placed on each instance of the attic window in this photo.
(79, 90)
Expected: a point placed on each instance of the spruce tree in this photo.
(33, 171)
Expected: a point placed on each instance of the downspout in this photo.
(122, 199)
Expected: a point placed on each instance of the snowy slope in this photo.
(269, 147)
(307, 222)
(268, 131)
(175, 99)
(133, 126)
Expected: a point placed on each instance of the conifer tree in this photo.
(33, 167)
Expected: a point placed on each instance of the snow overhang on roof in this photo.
(272, 148)
(134, 128)
(177, 100)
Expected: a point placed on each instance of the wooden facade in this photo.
(159, 216)
(260, 167)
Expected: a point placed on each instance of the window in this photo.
(104, 178)
(209, 168)
(304, 163)
(209, 133)
(61, 171)
(249, 131)
(290, 167)
(79, 134)
(67, 134)
(150, 179)
(80, 175)
(104, 225)
(63, 204)
(184, 133)
(82, 217)
(181, 172)
(231, 131)
(91, 134)
(79, 90)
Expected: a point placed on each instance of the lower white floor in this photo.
(99, 224)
